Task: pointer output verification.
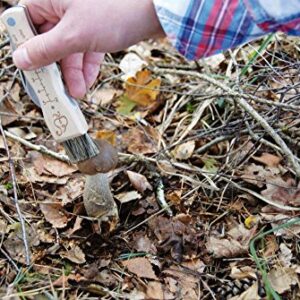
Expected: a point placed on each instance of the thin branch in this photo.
(16, 201)
(240, 99)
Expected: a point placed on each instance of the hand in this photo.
(77, 33)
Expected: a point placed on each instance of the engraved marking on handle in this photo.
(60, 122)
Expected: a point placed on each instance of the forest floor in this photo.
(206, 186)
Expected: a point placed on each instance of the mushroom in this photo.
(97, 196)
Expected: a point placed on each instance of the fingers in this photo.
(91, 67)
(44, 49)
(80, 72)
(72, 68)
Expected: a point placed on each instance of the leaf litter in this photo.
(202, 252)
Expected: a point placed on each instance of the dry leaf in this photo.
(283, 192)
(268, 159)
(174, 197)
(141, 89)
(258, 175)
(77, 226)
(104, 96)
(285, 255)
(281, 279)
(107, 135)
(75, 255)
(184, 151)
(141, 141)
(49, 166)
(54, 214)
(9, 111)
(155, 290)
(139, 181)
(14, 244)
(242, 272)
(141, 267)
(128, 196)
(142, 243)
(236, 244)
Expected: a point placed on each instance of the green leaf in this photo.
(221, 102)
(8, 186)
(190, 107)
(125, 105)
(210, 165)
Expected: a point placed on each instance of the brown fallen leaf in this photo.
(77, 226)
(63, 281)
(188, 283)
(258, 175)
(237, 242)
(14, 244)
(141, 141)
(72, 190)
(58, 168)
(142, 243)
(55, 214)
(283, 192)
(281, 279)
(107, 135)
(104, 96)
(75, 255)
(184, 151)
(139, 181)
(128, 196)
(155, 290)
(141, 89)
(268, 159)
(285, 256)
(10, 111)
(141, 267)
(242, 272)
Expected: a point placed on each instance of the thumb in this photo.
(43, 49)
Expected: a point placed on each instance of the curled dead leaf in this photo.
(139, 181)
(128, 196)
(75, 255)
(184, 151)
(141, 267)
(55, 214)
(268, 159)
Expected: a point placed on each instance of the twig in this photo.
(39, 148)
(260, 197)
(14, 183)
(240, 98)
(10, 260)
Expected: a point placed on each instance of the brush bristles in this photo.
(80, 148)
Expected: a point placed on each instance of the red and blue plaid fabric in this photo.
(200, 28)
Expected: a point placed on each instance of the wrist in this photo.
(140, 23)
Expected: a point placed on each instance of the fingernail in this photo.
(22, 60)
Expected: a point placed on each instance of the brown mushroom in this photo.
(105, 161)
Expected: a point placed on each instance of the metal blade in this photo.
(29, 90)
(27, 86)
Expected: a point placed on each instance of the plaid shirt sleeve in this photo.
(200, 28)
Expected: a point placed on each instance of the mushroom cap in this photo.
(105, 161)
